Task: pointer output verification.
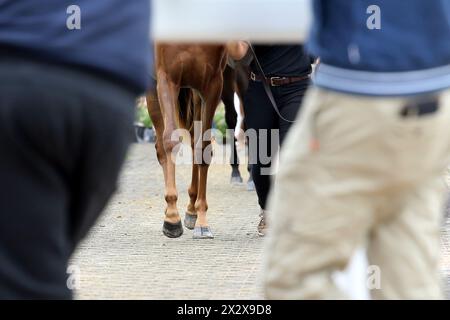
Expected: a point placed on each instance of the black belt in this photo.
(266, 85)
(278, 81)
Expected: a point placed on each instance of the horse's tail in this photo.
(186, 108)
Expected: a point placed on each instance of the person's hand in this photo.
(237, 49)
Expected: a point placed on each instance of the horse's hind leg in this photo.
(231, 120)
(168, 95)
(155, 113)
(242, 86)
(191, 213)
(190, 217)
(203, 156)
(157, 120)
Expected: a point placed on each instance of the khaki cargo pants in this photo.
(353, 173)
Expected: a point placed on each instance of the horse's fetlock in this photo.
(171, 198)
(201, 206)
(192, 194)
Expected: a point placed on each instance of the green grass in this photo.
(142, 114)
(219, 120)
(143, 117)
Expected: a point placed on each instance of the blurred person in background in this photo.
(69, 76)
(286, 71)
(363, 165)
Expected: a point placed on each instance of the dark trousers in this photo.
(261, 115)
(63, 138)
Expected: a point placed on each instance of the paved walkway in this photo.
(127, 257)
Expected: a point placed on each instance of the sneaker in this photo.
(262, 227)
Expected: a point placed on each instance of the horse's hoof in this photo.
(236, 180)
(190, 220)
(172, 230)
(202, 233)
(250, 185)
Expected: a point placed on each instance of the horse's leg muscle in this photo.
(154, 111)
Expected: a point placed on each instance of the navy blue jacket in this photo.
(410, 54)
(113, 39)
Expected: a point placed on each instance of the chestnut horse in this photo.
(189, 86)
